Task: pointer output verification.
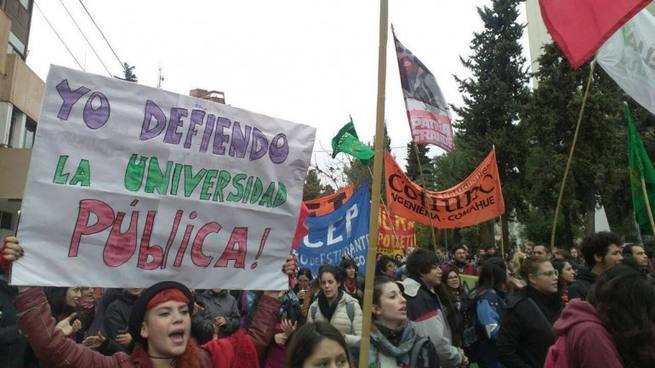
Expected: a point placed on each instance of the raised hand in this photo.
(94, 342)
(12, 250)
(124, 339)
(288, 327)
(69, 325)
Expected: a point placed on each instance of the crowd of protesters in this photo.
(592, 306)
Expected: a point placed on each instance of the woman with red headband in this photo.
(160, 323)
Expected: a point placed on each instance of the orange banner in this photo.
(477, 199)
(324, 205)
(396, 233)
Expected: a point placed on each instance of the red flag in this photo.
(301, 229)
(580, 27)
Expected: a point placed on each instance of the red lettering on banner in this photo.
(96, 218)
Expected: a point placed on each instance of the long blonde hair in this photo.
(517, 261)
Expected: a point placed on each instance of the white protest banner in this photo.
(129, 185)
(629, 58)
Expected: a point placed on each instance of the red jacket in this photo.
(583, 341)
(50, 345)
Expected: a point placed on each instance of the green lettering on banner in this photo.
(208, 183)
(191, 181)
(236, 183)
(267, 198)
(223, 180)
(156, 179)
(60, 177)
(82, 174)
(134, 173)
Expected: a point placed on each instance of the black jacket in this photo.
(220, 304)
(117, 315)
(12, 342)
(583, 282)
(526, 332)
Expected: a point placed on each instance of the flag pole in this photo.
(427, 207)
(377, 184)
(568, 162)
(502, 238)
(650, 212)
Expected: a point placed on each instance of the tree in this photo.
(493, 98)
(599, 168)
(312, 189)
(416, 163)
(128, 73)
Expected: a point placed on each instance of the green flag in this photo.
(640, 167)
(346, 141)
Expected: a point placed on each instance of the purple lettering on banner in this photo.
(96, 118)
(69, 98)
(279, 152)
(172, 135)
(209, 129)
(196, 119)
(219, 137)
(152, 110)
(239, 142)
(259, 145)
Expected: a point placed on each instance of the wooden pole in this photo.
(427, 207)
(377, 185)
(568, 162)
(650, 212)
(502, 238)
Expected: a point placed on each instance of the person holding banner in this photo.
(160, 323)
(394, 342)
(12, 342)
(429, 307)
(337, 307)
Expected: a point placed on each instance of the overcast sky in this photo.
(308, 61)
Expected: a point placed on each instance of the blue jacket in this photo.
(489, 309)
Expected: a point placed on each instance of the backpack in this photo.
(470, 333)
(423, 354)
(350, 311)
(557, 357)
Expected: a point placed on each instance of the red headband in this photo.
(165, 296)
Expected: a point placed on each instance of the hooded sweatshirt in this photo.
(582, 340)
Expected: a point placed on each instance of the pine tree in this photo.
(493, 98)
(313, 188)
(599, 168)
(413, 168)
(128, 73)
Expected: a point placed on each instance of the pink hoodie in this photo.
(583, 341)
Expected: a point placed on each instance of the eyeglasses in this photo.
(549, 273)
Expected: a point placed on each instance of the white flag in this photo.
(629, 58)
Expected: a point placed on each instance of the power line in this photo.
(326, 151)
(58, 36)
(101, 33)
(85, 38)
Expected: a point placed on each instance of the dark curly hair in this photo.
(625, 302)
(597, 244)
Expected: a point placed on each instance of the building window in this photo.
(16, 43)
(30, 132)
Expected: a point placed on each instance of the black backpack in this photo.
(423, 354)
